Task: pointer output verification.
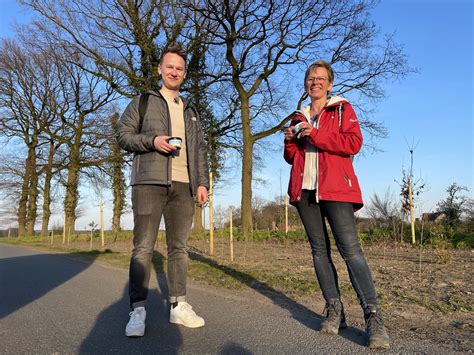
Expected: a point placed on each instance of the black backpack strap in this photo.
(142, 106)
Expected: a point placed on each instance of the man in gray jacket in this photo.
(168, 174)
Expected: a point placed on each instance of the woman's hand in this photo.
(305, 129)
(288, 132)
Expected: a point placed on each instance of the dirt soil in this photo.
(427, 296)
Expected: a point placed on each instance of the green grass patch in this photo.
(106, 256)
(452, 305)
(216, 275)
(233, 276)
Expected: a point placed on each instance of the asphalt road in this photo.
(50, 303)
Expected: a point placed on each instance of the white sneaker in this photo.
(183, 314)
(136, 324)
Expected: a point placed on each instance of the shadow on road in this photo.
(161, 337)
(28, 276)
(298, 311)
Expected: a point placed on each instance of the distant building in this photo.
(11, 232)
(433, 217)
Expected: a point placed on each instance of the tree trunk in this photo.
(32, 194)
(72, 194)
(198, 225)
(23, 200)
(47, 191)
(70, 201)
(119, 199)
(118, 182)
(247, 168)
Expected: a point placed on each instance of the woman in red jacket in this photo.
(319, 144)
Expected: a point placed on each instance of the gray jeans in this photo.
(340, 216)
(149, 203)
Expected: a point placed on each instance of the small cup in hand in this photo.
(297, 130)
(175, 142)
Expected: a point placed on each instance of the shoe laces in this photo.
(374, 322)
(136, 316)
(331, 312)
(186, 307)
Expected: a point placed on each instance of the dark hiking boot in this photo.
(335, 317)
(378, 337)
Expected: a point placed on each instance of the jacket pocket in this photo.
(348, 180)
(348, 172)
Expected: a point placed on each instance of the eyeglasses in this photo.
(317, 79)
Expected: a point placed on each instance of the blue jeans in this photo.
(340, 216)
(149, 203)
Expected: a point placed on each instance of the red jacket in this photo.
(337, 136)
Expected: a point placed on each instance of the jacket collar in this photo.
(158, 94)
(333, 101)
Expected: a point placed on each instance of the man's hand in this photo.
(161, 144)
(201, 195)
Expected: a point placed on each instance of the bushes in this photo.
(375, 235)
(437, 235)
(463, 240)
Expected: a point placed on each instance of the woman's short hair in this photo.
(320, 64)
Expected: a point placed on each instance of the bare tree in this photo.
(259, 44)
(123, 38)
(50, 168)
(455, 204)
(87, 130)
(384, 209)
(26, 91)
(118, 179)
(216, 129)
(11, 171)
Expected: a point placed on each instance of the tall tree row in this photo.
(248, 58)
(54, 109)
(125, 40)
(27, 85)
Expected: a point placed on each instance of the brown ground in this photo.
(423, 298)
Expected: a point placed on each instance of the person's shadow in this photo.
(298, 311)
(29, 276)
(161, 336)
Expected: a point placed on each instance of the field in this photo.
(425, 293)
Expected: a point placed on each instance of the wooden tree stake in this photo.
(211, 224)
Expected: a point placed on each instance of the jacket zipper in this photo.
(317, 160)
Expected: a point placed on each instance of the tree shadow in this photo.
(29, 276)
(161, 336)
(298, 311)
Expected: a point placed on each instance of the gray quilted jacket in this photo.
(149, 165)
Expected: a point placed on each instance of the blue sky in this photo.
(432, 108)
